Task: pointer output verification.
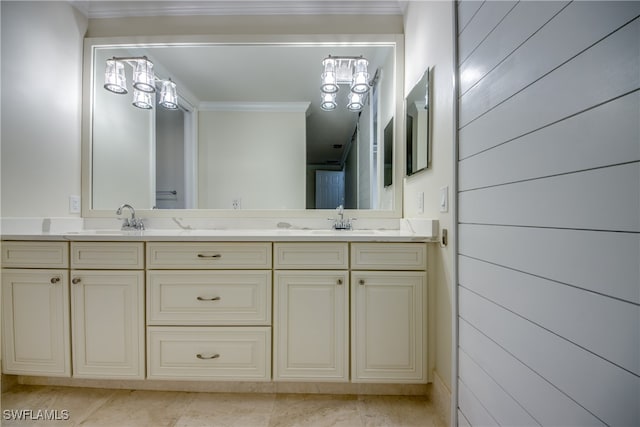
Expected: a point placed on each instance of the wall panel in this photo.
(601, 136)
(549, 214)
(532, 108)
(578, 27)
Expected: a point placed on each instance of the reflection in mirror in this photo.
(418, 126)
(248, 132)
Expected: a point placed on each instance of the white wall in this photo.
(549, 211)
(272, 146)
(41, 107)
(429, 43)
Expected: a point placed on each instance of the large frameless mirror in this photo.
(239, 126)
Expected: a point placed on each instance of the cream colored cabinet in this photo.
(388, 313)
(107, 310)
(35, 308)
(311, 325)
(209, 311)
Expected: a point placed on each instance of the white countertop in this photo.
(227, 235)
(421, 230)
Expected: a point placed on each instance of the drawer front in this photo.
(163, 255)
(388, 256)
(209, 297)
(291, 256)
(107, 255)
(35, 254)
(205, 353)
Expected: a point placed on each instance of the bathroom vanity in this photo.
(271, 306)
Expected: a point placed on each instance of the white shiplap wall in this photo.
(549, 213)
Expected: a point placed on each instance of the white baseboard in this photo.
(441, 398)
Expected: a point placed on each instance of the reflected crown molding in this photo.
(273, 107)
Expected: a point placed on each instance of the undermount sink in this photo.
(104, 232)
(332, 232)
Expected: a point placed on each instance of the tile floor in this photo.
(122, 408)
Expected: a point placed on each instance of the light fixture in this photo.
(360, 82)
(168, 95)
(114, 78)
(329, 77)
(143, 77)
(144, 82)
(328, 102)
(142, 99)
(344, 70)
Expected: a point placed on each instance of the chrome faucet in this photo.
(340, 223)
(132, 223)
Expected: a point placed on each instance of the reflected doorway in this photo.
(329, 189)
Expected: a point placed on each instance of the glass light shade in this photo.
(328, 102)
(143, 78)
(360, 82)
(355, 101)
(168, 95)
(142, 99)
(114, 78)
(329, 77)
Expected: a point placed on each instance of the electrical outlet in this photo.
(74, 204)
(236, 203)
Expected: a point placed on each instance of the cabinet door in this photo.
(35, 322)
(388, 312)
(107, 324)
(311, 325)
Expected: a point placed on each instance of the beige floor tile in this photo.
(228, 410)
(68, 404)
(139, 408)
(315, 411)
(398, 411)
(123, 408)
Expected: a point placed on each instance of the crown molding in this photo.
(121, 9)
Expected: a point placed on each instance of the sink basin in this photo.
(333, 232)
(104, 232)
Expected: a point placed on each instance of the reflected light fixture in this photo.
(168, 95)
(142, 99)
(328, 102)
(344, 70)
(144, 82)
(355, 101)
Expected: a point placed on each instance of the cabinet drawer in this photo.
(204, 353)
(209, 297)
(35, 254)
(311, 256)
(388, 256)
(107, 255)
(208, 255)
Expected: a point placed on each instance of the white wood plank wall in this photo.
(549, 213)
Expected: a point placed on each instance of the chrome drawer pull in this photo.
(208, 299)
(200, 356)
(209, 256)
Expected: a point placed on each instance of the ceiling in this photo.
(261, 73)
